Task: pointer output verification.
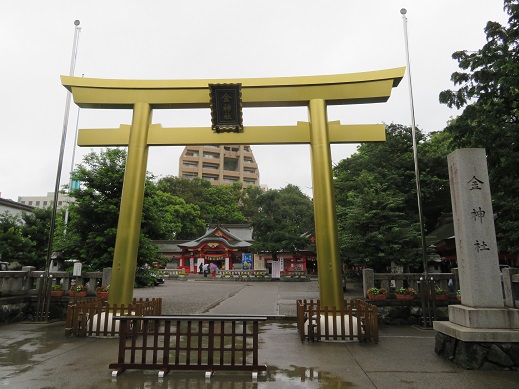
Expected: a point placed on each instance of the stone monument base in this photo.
(484, 317)
(479, 338)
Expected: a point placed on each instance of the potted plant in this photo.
(458, 295)
(440, 294)
(78, 291)
(375, 294)
(103, 291)
(405, 294)
(56, 290)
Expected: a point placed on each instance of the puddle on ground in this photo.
(294, 377)
(308, 376)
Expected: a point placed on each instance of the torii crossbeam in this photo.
(315, 92)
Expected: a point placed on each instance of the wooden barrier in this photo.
(94, 317)
(357, 319)
(206, 343)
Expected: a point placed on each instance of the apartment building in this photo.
(223, 164)
(45, 201)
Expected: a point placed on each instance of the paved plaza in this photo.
(40, 356)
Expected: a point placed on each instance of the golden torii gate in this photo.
(315, 92)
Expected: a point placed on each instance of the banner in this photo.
(246, 261)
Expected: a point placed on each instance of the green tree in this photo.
(217, 203)
(376, 197)
(193, 191)
(222, 204)
(374, 229)
(94, 215)
(249, 201)
(283, 221)
(35, 228)
(488, 90)
(168, 215)
(13, 245)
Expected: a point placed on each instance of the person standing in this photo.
(205, 269)
(213, 268)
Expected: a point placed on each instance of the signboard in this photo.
(77, 269)
(246, 261)
(226, 112)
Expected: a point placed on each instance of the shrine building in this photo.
(228, 246)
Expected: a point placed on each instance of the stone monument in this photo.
(481, 332)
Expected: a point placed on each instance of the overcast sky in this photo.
(195, 39)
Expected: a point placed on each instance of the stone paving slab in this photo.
(39, 356)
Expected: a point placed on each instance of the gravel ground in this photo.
(189, 297)
(198, 295)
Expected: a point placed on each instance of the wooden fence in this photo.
(205, 343)
(94, 317)
(357, 319)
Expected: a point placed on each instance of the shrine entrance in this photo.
(314, 92)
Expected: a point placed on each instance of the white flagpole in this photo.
(403, 11)
(44, 295)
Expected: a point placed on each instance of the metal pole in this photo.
(403, 11)
(46, 294)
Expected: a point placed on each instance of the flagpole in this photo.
(403, 12)
(44, 291)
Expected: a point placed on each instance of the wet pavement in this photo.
(39, 356)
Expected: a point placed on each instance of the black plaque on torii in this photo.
(226, 107)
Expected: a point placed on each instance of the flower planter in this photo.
(103, 295)
(77, 294)
(57, 293)
(404, 296)
(377, 297)
(441, 297)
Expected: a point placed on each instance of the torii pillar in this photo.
(315, 92)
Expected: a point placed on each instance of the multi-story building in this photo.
(224, 164)
(45, 201)
(13, 207)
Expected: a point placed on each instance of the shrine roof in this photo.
(219, 234)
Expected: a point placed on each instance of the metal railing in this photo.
(207, 343)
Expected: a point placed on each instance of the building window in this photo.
(30, 202)
(38, 203)
(211, 155)
(230, 164)
(60, 203)
(44, 203)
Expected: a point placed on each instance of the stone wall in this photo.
(15, 310)
(478, 355)
(407, 315)
(23, 308)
